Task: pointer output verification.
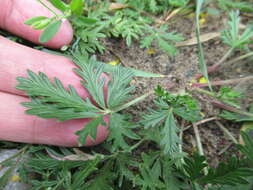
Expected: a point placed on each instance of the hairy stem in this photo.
(220, 104)
(216, 65)
(51, 10)
(136, 100)
(239, 58)
(230, 108)
(222, 82)
(206, 92)
(226, 132)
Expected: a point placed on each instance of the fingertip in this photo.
(16, 12)
(63, 37)
(102, 134)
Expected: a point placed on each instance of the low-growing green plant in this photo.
(93, 21)
(52, 100)
(241, 5)
(141, 155)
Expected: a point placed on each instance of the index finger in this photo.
(14, 13)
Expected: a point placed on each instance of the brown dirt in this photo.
(183, 67)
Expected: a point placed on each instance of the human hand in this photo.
(15, 59)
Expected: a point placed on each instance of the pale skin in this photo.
(15, 59)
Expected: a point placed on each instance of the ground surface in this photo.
(181, 70)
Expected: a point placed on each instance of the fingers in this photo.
(16, 126)
(14, 13)
(15, 59)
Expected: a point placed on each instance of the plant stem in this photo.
(181, 137)
(220, 104)
(201, 122)
(202, 91)
(230, 108)
(225, 149)
(202, 63)
(199, 144)
(141, 98)
(51, 10)
(224, 58)
(21, 151)
(226, 132)
(180, 146)
(137, 144)
(223, 82)
(173, 13)
(239, 58)
(216, 66)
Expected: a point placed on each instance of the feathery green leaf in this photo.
(52, 100)
(120, 129)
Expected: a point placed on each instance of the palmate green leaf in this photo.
(146, 42)
(128, 25)
(56, 174)
(123, 168)
(166, 47)
(163, 38)
(103, 180)
(163, 119)
(50, 31)
(120, 128)
(169, 175)
(118, 87)
(232, 36)
(89, 39)
(170, 139)
(41, 162)
(48, 111)
(183, 105)
(90, 130)
(232, 173)
(194, 166)
(154, 118)
(91, 73)
(247, 148)
(52, 100)
(80, 176)
(150, 172)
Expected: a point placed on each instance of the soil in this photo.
(181, 70)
